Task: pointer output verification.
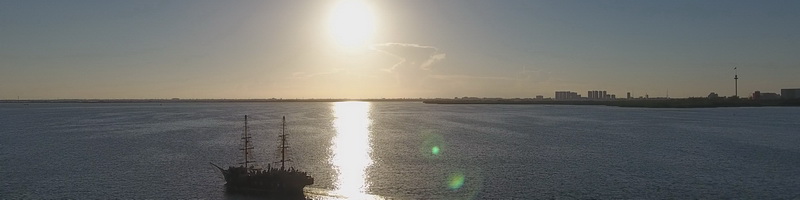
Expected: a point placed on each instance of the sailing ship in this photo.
(248, 178)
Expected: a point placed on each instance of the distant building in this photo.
(591, 95)
(790, 93)
(629, 95)
(567, 95)
(770, 96)
(713, 95)
(599, 95)
(758, 95)
(539, 97)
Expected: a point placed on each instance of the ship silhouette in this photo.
(247, 178)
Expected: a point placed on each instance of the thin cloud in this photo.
(412, 55)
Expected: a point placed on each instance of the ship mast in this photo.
(283, 143)
(246, 148)
(736, 82)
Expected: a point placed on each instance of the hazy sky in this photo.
(410, 48)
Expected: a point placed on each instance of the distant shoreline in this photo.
(199, 100)
(641, 103)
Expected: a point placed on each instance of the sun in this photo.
(351, 24)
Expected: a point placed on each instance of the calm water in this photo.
(360, 150)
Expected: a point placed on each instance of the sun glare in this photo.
(351, 24)
(351, 149)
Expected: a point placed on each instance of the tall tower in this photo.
(736, 82)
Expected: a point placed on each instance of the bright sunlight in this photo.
(352, 148)
(351, 24)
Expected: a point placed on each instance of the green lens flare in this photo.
(456, 181)
(432, 146)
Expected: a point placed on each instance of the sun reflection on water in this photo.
(351, 148)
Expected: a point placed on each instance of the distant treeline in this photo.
(645, 103)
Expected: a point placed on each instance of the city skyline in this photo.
(394, 49)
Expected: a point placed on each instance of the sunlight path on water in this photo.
(351, 149)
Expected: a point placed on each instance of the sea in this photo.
(401, 150)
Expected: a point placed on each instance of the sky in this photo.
(121, 49)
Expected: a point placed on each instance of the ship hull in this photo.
(264, 190)
(277, 182)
